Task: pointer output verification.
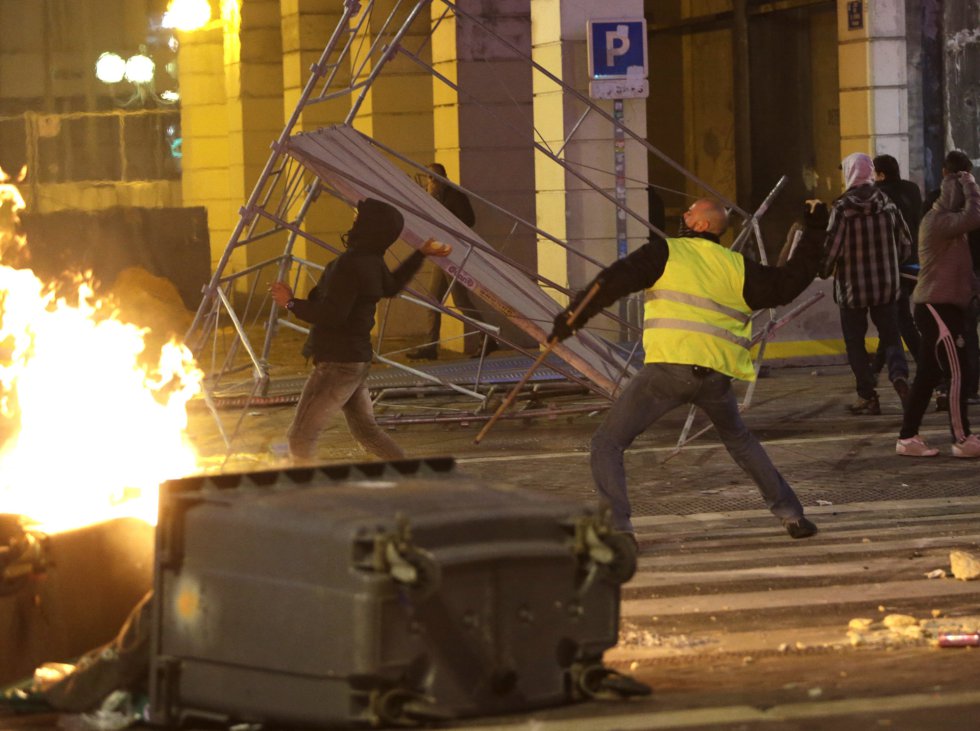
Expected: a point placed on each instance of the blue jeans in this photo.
(661, 387)
(854, 326)
(333, 387)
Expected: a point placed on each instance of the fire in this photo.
(88, 429)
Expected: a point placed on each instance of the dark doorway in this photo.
(794, 112)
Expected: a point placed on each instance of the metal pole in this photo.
(552, 342)
(743, 118)
(619, 165)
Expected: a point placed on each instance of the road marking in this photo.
(856, 437)
(787, 548)
(820, 596)
(880, 706)
(790, 571)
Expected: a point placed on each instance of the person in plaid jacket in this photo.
(866, 241)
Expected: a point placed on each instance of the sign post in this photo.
(617, 71)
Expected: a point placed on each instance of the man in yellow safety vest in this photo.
(696, 338)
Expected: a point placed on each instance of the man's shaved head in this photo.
(706, 215)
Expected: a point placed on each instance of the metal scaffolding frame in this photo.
(235, 313)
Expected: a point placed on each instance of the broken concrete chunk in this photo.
(894, 621)
(911, 632)
(936, 574)
(965, 566)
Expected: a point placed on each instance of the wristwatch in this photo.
(290, 303)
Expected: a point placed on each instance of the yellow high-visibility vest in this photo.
(695, 313)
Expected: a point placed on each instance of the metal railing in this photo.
(109, 146)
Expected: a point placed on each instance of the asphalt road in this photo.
(733, 624)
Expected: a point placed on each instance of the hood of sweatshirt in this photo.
(864, 200)
(377, 226)
(951, 197)
(859, 169)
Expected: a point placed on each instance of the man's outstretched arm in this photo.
(636, 272)
(767, 286)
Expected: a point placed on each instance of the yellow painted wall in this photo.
(549, 123)
(204, 125)
(253, 89)
(307, 25)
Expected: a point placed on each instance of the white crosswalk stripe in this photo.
(735, 583)
(719, 579)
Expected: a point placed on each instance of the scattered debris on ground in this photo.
(965, 566)
(904, 629)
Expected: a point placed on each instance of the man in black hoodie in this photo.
(908, 198)
(341, 311)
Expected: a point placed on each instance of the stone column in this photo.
(873, 80)
(565, 206)
(204, 128)
(483, 132)
(962, 67)
(253, 80)
(397, 111)
(307, 26)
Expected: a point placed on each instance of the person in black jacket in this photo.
(341, 311)
(457, 203)
(696, 338)
(906, 195)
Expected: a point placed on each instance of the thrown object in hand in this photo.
(438, 248)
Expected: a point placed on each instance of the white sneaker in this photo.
(969, 447)
(915, 447)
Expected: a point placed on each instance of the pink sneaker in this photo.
(915, 447)
(969, 447)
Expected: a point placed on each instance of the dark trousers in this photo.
(854, 326)
(939, 357)
(656, 389)
(438, 285)
(906, 326)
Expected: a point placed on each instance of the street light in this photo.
(139, 69)
(110, 68)
(187, 14)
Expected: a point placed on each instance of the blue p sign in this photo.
(617, 48)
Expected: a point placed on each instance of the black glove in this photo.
(816, 214)
(561, 330)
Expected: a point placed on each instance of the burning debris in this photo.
(90, 422)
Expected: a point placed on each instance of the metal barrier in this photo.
(110, 146)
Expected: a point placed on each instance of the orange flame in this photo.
(87, 430)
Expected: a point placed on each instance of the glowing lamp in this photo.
(139, 69)
(110, 68)
(187, 14)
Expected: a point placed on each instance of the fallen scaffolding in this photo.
(339, 161)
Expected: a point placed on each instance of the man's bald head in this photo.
(706, 216)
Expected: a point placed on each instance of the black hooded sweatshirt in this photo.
(342, 305)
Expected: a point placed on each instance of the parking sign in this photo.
(618, 49)
(618, 59)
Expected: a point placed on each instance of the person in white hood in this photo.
(866, 240)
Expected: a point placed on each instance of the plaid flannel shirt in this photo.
(866, 240)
